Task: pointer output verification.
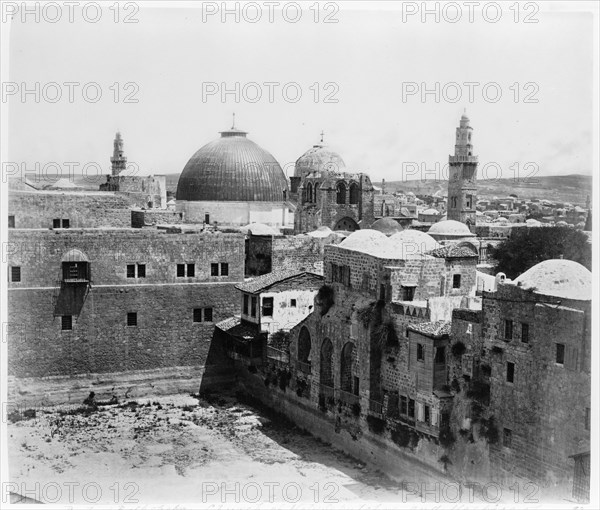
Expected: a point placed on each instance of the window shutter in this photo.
(420, 411)
(571, 356)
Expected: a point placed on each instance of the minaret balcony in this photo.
(463, 159)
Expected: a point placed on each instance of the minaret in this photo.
(118, 160)
(462, 188)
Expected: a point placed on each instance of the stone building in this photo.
(146, 192)
(462, 188)
(233, 181)
(327, 195)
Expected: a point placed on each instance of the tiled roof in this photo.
(235, 327)
(438, 328)
(267, 280)
(453, 252)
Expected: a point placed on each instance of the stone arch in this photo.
(354, 193)
(326, 368)
(348, 363)
(346, 223)
(304, 345)
(340, 192)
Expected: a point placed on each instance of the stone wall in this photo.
(140, 191)
(38, 209)
(148, 217)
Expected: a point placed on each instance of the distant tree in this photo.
(528, 247)
(588, 221)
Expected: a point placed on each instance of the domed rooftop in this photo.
(317, 159)
(558, 277)
(366, 241)
(232, 168)
(387, 226)
(450, 228)
(400, 246)
(430, 212)
(414, 241)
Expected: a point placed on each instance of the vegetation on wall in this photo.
(458, 349)
(324, 298)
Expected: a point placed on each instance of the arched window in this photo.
(309, 192)
(315, 192)
(348, 370)
(326, 371)
(304, 345)
(354, 193)
(341, 193)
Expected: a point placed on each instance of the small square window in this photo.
(180, 270)
(130, 270)
(15, 274)
(560, 354)
(508, 329)
(11, 221)
(224, 269)
(456, 281)
(132, 318)
(507, 438)
(214, 269)
(293, 303)
(141, 270)
(420, 352)
(66, 223)
(191, 270)
(267, 309)
(56, 223)
(208, 314)
(510, 372)
(525, 333)
(197, 314)
(66, 322)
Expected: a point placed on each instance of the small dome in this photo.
(323, 231)
(558, 277)
(501, 219)
(319, 158)
(387, 226)
(533, 223)
(562, 224)
(431, 211)
(366, 241)
(412, 242)
(450, 228)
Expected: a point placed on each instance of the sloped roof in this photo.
(261, 283)
(234, 326)
(435, 329)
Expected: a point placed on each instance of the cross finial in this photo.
(322, 135)
(233, 124)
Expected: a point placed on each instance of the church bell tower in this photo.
(462, 188)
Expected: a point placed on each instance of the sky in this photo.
(360, 81)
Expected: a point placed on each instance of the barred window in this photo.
(132, 318)
(66, 322)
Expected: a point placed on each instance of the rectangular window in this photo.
(214, 269)
(253, 306)
(246, 304)
(224, 269)
(508, 329)
(141, 270)
(403, 405)
(130, 270)
(206, 218)
(132, 318)
(191, 270)
(510, 372)
(507, 438)
(456, 281)
(180, 270)
(208, 314)
(56, 223)
(408, 293)
(267, 309)
(560, 354)
(197, 315)
(15, 274)
(382, 292)
(427, 414)
(411, 408)
(440, 355)
(66, 322)
(420, 352)
(293, 303)
(11, 221)
(66, 223)
(525, 333)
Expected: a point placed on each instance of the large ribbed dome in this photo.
(232, 168)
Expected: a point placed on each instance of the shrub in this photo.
(489, 430)
(445, 461)
(480, 392)
(446, 437)
(376, 425)
(385, 335)
(324, 298)
(458, 349)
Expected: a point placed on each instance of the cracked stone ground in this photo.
(179, 450)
